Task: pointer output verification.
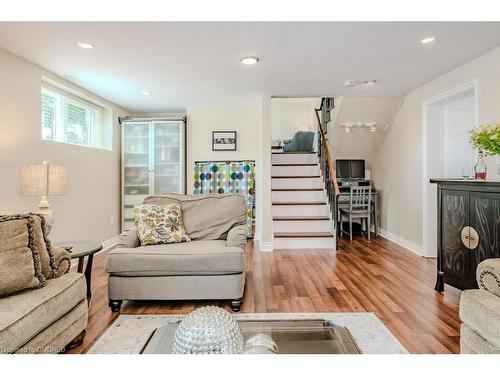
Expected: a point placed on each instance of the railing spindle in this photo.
(328, 172)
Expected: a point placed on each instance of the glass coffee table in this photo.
(315, 336)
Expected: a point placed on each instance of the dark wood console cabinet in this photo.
(468, 230)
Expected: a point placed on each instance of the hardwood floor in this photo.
(375, 276)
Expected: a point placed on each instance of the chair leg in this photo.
(350, 228)
(368, 227)
(236, 304)
(115, 305)
(76, 341)
(341, 224)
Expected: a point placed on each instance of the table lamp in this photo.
(44, 180)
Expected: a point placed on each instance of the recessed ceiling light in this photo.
(427, 40)
(146, 92)
(249, 60)
(85, 45)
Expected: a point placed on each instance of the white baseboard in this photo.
(413, 247)
(262, 245)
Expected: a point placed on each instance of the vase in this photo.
(493, 165)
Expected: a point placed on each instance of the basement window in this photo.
(71, 119)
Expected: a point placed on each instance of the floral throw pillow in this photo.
(159, 224)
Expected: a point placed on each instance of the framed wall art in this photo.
(223, 141)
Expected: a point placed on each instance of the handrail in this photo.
(328, 155)
(329, 175)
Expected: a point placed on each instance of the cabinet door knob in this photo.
(470, 237)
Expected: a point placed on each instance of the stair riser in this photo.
(300, 210)
(294, 158)
(303, 226)
(296, 170)
(304, 243)
(297, 183)
(298, 196)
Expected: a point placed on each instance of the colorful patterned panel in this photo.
(228, 177)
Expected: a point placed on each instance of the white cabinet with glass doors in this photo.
(153, 162)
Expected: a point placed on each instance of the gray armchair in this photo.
(480, 311)
(301, 142)
(211, 266)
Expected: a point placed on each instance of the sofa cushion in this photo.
(206, 216)
(480, 310)
(24, 315)
(19, 258)
(186, 258)
(43, 246)
(160, 224)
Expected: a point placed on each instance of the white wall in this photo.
(250, 118)
(289, 115)
(398, 166)
(93, 196)
(360, 143)
(243, 116)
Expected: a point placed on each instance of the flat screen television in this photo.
(350, 169)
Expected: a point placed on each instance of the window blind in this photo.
(70, 119)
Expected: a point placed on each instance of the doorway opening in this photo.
(447, 153)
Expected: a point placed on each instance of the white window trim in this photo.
(70, 94)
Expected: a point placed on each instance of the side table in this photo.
(79, 250)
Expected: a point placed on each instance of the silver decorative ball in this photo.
(208, 330)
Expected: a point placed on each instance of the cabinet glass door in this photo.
(168, 157)
(136, 167)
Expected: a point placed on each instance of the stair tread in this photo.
(295, 176)
(302, 234)
(298, 203)
(299, 218)
(298, 189)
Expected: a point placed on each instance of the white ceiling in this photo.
(195, 63)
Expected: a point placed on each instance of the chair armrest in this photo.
(237, 237)
(488, 276)
(129, 239)
(62, 261)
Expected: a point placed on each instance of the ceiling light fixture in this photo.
(146, 92)
(427, 40)
(249, 60)
(359, 125)
(352, 83)
(85, 45)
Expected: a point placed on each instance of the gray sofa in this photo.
(302, 141)
(480, 312)
(210, 267)
(48, 319)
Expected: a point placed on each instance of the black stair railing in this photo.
(327, 168)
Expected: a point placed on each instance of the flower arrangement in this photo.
(486, 138)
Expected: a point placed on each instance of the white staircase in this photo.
(300, 209)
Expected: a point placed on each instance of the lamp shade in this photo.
(43, 179)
